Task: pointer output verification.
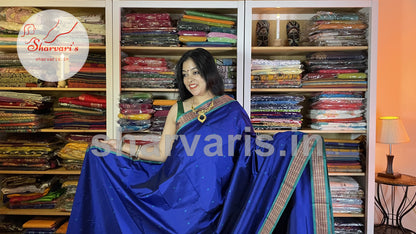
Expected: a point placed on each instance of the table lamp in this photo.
(390, 130)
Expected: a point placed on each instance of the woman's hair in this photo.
(206, 66)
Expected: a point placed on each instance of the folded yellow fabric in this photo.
(191, 38)
(74, 150)
(163, 102)
(135, 117)
(69, 183)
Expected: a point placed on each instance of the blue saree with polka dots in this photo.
(219, 178)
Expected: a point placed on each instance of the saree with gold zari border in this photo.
(219, 178)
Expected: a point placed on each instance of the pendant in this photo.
(202, 117)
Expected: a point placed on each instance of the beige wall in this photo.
(396, 84)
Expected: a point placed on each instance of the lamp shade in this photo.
(390, 130)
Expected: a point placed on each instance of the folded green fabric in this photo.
(210, 15)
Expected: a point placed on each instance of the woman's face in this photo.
(192, 79)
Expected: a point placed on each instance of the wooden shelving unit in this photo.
(243, 52)
(302, 11)
(101, 6)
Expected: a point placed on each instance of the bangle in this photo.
(139, 148)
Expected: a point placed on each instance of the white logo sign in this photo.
(52, 45)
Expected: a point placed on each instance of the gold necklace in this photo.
(201, 114)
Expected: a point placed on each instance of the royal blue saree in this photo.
(220, 178)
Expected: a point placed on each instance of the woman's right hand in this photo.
(111, 142)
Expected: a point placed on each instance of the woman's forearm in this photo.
(148, 152)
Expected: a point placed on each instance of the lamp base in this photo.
(389, 171)
(389, 175)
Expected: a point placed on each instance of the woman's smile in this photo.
(192, 86)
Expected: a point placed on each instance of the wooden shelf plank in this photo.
(97, 48)
(53, 89)
(72, 130)
(149, 90)
(286, 90)
(298, 50)
(346, 173)
(177, 51)
(58, 171)
(48, 212)
(13, 48)
(313, 131)
(160, 90)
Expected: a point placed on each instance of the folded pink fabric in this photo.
(221, 34)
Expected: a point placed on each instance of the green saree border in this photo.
(189, 116)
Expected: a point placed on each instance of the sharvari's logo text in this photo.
(53, 45)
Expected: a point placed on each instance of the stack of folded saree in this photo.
(18, 153)
(202, 29)
(148, 29)
(338, 29)
(72, 155)
(94, 25)
(338, 111)
(44, 225)
(347, 196)
(135, 111)
(13, 74)
(348, 226)
(343, 155)
(228, 71)
(161, 107)
(66, 200)
(91, 75)
(147, 72)
(86, 111)
(276, 112)
(31, 191)
(267, 73)
(8, 36)
(12, 224)
(340, 69)
(24, 112)
(11, 20)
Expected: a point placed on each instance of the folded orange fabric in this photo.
(209, 19)
(163, 102)
(62, 229)
(43, 222)
(93, 69)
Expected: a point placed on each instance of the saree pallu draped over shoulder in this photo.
(219, 178)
